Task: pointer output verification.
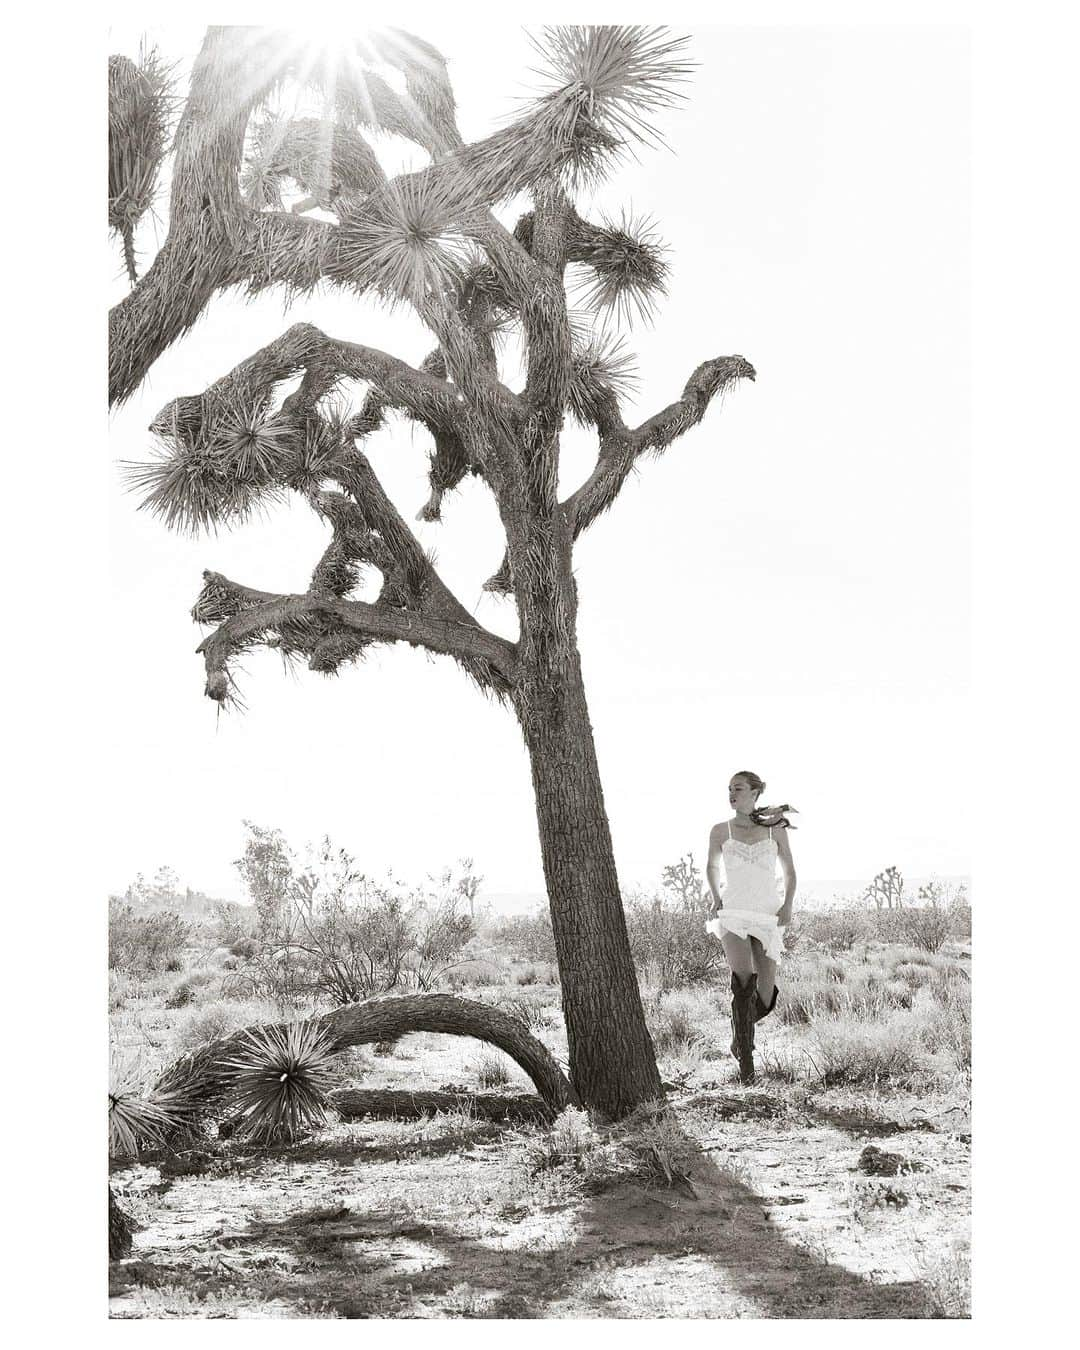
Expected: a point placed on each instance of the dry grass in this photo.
(870, 1035)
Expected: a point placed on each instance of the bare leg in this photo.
(739, 956)
(766, 971)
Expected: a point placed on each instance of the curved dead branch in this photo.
(203, 1080)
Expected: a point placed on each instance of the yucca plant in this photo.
(139, 1119)
(142, 105)
(278, 1081)
(427, 239)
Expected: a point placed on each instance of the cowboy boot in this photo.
(743, 997)
(760, 1009)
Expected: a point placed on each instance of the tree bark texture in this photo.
(391, 1103)
(612, 1059)
(121, 1226)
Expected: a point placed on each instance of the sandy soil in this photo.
(439, 1218)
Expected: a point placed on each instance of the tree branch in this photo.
(620, 447)
(322, 627)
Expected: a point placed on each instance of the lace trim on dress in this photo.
(748, 850)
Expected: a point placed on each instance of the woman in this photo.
(748, 920)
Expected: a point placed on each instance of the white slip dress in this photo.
(751, 902)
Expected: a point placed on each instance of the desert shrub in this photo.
(492, 1070)
(660, 1149)
(528, 937)
(187, 990)
(244, 947)
(181, 996)
(537, 972)
(648, 1146)
(868, 1054)
(197, 1026)
(927, 927)
(232, 923)
(680, 1020)
(835, 929)
(331, 934)
(943, 1024)
(947, 1282)
(806, 994)
(898, 993)
(140, 1117)
(913, 973)
(668, 939)
(535, 1015)
(144, 943)
(887, 925)
(575, 1148)
(482, 974)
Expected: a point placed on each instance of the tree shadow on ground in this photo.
(362, 1264)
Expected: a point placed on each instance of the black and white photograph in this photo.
(539, 870)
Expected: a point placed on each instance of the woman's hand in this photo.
(717, 905)
(784, 917)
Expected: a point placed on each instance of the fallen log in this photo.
(389, 1103)
(202, 1078)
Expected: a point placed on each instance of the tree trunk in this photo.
(612, 1060)
(121, 1226)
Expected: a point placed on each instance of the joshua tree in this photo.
(428, 239)
(887, 889)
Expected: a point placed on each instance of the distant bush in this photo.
(186, 991)
(668, 940)
(537, 972)
(232, 923)
(198, 1026)
(144, 944)
(835, 929)
(528, 937)
(928, 927)
(331, 934)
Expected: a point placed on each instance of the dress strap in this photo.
(770, 831)
(729, 829)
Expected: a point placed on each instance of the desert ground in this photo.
(836, 1186)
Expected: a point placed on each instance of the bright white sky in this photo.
(786, 590)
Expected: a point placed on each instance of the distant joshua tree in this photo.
(887, 889)
(429, 240)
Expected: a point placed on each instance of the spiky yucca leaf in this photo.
(402, 242)
(618, 75)
(279, 1080)
(142, 105)
(600, 372)
(140, 1119)
(627, 272)
(216, 461)
(195, 488)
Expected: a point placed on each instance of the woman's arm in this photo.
(714, 866)
(783, 848)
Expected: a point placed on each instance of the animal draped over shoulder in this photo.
(773, 816)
